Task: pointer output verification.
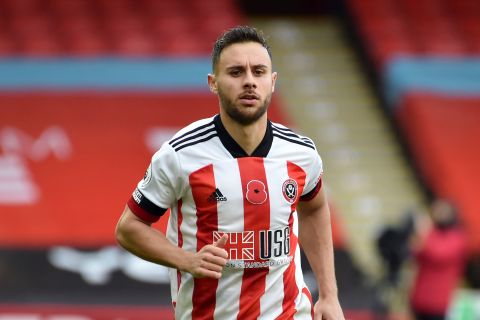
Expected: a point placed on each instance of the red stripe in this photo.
(306, 292)
(290, 289)
(180, 239)
(256, 218)
(202, 183)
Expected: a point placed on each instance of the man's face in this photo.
(244, 81)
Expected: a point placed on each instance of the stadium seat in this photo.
(128, 27)
(440, 131)
(87, 45)
(438, 28)
(7, 46)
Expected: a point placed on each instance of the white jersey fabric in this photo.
(213, 187)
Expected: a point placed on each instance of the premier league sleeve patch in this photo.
(148, 176)
(290, 190)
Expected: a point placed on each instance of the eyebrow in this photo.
(262, 66)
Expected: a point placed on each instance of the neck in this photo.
(247, 136)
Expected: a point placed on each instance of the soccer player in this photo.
(244, 192)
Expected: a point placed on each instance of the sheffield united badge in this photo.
(290, 190)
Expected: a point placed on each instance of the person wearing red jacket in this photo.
(440, 252)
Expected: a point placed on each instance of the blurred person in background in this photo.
(234, 184)
(439, 248)
(393, 247)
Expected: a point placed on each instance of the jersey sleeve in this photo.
(158, 189)
(313, 181)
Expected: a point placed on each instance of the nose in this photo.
(249, 80)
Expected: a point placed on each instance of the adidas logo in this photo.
(217, 196)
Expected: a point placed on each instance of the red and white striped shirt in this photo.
(213, 187)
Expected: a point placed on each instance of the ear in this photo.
(274, 80)
(212, 83)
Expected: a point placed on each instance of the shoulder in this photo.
(194, 133)
(288, 136)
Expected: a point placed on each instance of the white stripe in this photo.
(189, 222)
(304, 308)
(230, 219)
(276, 173)
(271, 303)
(188, 227)
(228, 294)
(302, 302)
(184, 301)
(172, 235)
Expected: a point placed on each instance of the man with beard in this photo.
(244, 192)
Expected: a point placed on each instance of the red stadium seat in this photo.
(134, 44)
(7, 45)
(22, 6)
(429, 27)
(87, 45)
(442, 132)
(131, 27)
(68, 8)
(185, 45)
(43, 46)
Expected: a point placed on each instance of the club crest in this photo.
(290, 190)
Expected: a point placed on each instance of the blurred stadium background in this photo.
(89, 89)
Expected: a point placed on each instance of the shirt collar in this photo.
(234, 148)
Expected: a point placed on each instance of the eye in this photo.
(235, 73)
(259, 72)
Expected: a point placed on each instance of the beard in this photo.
(239, 115)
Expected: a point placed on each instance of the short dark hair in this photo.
(238, 34)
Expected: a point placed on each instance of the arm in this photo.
(315, 236)
(138, 237)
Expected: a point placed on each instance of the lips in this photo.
(249, 96)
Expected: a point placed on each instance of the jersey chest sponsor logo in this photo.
(255, 249)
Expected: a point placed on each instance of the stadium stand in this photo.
(128, 28)
(440, 130)
(432, 87)
(394, 28)
(426, 63)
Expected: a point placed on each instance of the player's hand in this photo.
(210, 260)
(328, 309)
